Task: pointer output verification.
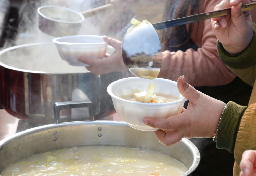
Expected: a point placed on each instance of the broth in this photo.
(168, 98)
(98, 160)
(146, 73)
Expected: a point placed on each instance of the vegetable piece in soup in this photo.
(149, 96)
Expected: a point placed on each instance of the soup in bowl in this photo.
(133, 112)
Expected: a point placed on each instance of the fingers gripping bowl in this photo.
(134, 112)
(71, 48)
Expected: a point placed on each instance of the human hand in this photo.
(112, 63)
(200, 119)
(235, 30)
(248, 163)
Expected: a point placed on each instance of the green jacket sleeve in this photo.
(242, 64)
(229, 125)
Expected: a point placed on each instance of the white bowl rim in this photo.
(42, 7)
(139, 103)
(56, 40)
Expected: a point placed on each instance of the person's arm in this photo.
(202, 67)
(246, 136)
(243, 64)
(235, 32)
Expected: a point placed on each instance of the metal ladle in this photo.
(141, 51)
(60, 21)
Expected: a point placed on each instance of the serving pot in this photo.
(56, 136)
(34, 79)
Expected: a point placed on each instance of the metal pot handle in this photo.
(58, 106)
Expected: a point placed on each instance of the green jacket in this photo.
(244, 66)
(237, 126)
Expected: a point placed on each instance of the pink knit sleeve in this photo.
(202, 67)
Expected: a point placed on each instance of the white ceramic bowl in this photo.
(72, 47)
(134, 112)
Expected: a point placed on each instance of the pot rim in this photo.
(31, 71)
(66, 43)
(23, 70)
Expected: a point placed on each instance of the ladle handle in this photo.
(94, 11)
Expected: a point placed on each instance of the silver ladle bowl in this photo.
(141, 51)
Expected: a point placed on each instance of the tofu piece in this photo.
(139, 97)
(145, 96)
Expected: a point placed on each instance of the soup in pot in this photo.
(98, 160)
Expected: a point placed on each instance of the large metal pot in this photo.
(50, 137)
(34, 77)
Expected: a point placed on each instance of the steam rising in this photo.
(28, 31)
(3, 8)
(42, 58)
(39, 58)
(111, 23)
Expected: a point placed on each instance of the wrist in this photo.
(242, 60)
(233, 51)
(239, 46)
